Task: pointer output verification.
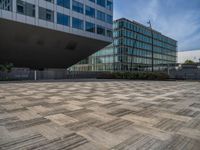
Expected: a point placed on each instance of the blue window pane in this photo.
(77, 23)
(78, 7)
(101, 16)
(64, 3)
(90, 27)
(109, 19)
(89, 11)
(109, 5)
(63, 19)
(101, 2)
(92, 1)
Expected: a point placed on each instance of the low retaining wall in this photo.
(27, 74)
(185, 74)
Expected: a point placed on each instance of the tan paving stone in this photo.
(27, 115)
(52, 131)
(191, 133)
(118, 115)
(173, 116)
(61, 119)
(101, 137)
(141, 120)
(39, 109)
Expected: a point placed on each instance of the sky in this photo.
(178, 19)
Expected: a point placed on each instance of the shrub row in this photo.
(134, 75)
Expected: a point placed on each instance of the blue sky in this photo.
(178, 19)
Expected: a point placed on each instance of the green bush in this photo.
(135, 75)
(6, 67)
(189, 62)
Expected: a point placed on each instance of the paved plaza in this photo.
(100, 115)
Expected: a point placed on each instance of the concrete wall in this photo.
(48, 74)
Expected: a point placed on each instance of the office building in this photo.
(53, 33)
(131, 50)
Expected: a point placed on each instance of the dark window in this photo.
(20, 9)
(109, 33)
(92, 1)
(109, 5)
(77, 23)
(100, 30)
(101, 3)
(77, 6)
(25, 8)
(6, 5)
(46, 14)
(109, 19)
(51, 1)
(101, 16)
(89, 11)
(90, 27)
(64, 3)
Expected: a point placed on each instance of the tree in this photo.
(6, 67)
(189, 62)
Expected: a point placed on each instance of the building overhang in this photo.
(36, 47)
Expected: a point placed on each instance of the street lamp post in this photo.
(152, 59)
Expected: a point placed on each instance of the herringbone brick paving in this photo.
(109, 115)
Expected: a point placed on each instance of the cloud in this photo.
(178, 19)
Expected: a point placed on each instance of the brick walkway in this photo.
(100, 115)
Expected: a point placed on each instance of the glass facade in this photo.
(94, 16)
(131, 50)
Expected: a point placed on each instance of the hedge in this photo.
(134, 75)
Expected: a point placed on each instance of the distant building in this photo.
(53, 33)
(132, 50)
(193, 55)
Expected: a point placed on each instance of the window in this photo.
(101, 3)
(89, 11)
(109, 5)
(51, 1)
(6, 5)
(78, 7)
(109, 33)
(20, 9)
(92, 1)
(64, 3)
(109, 19)
(101, 16)
(100, 30)
(77, 23)
(90, 27)
(46, 14)
(63, 19)
(25, 8)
